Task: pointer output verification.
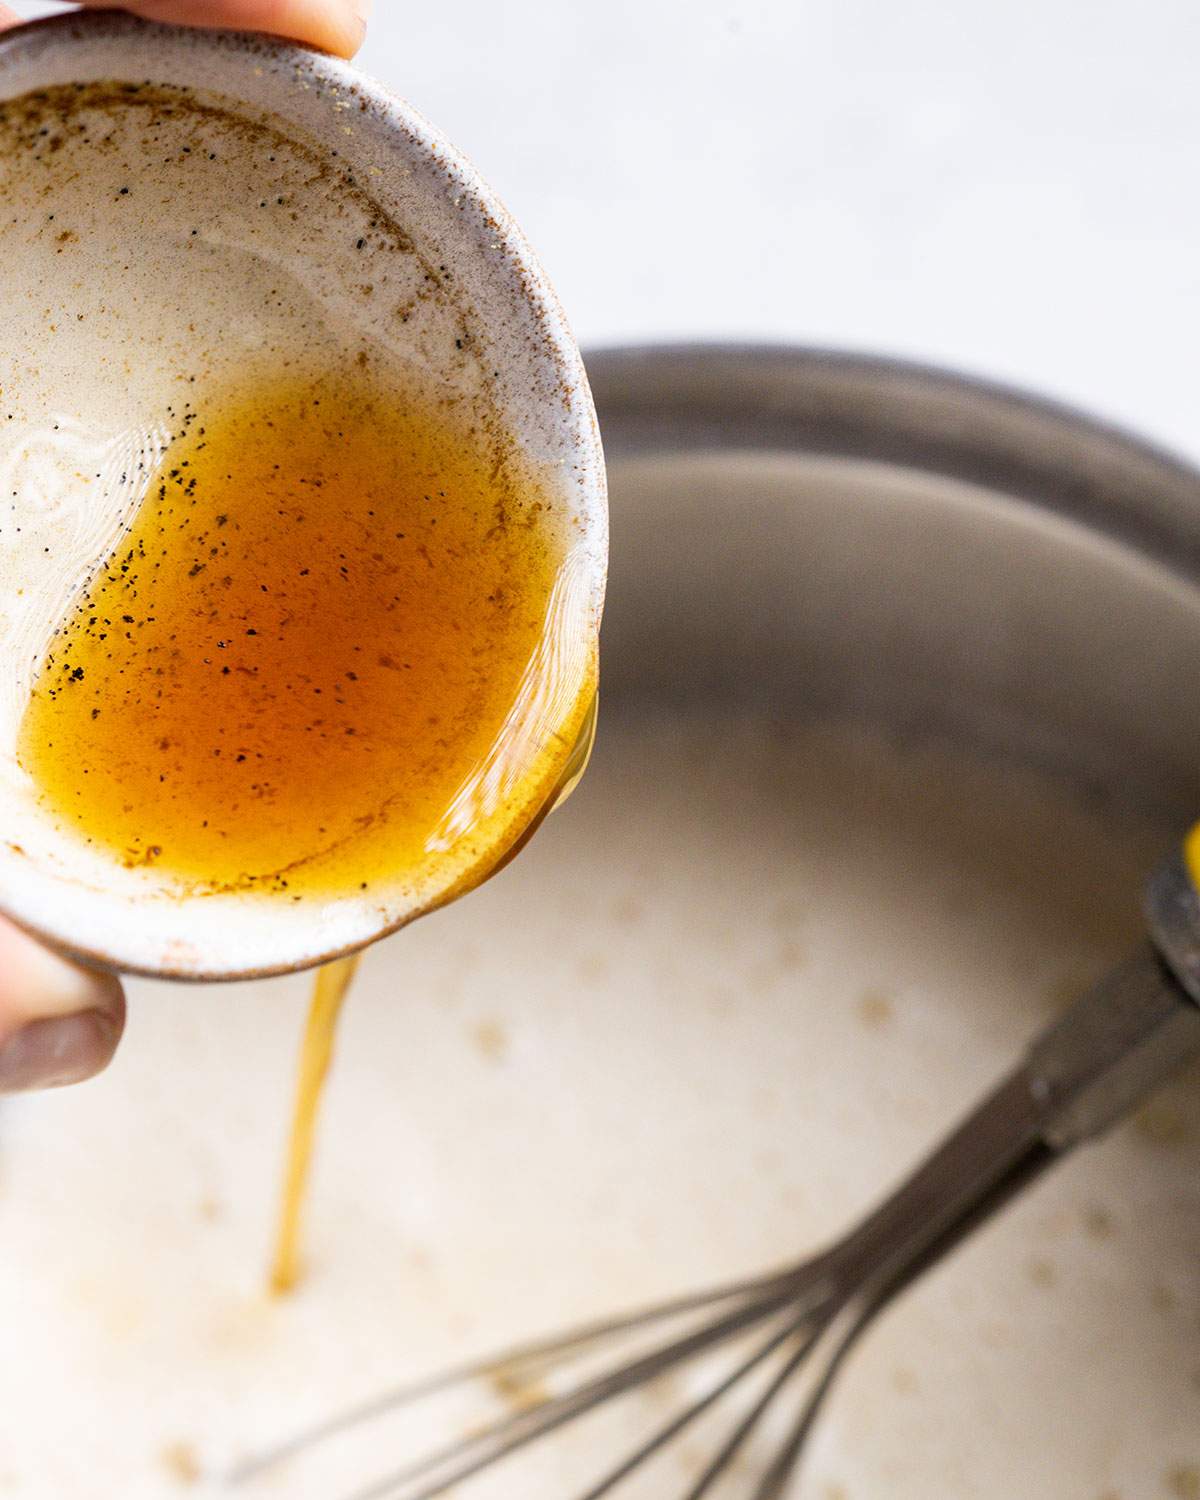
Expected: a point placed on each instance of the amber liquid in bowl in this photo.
(314, 628)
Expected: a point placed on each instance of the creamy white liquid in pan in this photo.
(744, 979)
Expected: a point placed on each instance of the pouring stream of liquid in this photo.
(328, 996)
(329, 993)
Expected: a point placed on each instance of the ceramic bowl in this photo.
(182, 207)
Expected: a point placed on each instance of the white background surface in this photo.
(1006, 188)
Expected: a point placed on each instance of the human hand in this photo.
(61, 1022)
(336, 26)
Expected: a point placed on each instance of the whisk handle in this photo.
(1095, 1064)
(1112, 1049)
(1138, 1025)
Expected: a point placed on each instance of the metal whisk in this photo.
(786, 1334)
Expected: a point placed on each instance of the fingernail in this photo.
(59, 1050)
(362, 14)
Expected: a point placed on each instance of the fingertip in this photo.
(336, 26)
(58, 1051)
(60, 1022)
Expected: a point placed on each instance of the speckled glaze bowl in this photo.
(182, 207)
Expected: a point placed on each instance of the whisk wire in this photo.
(733, 1445)
(464, 1457)
(703, 1403)
(843, 1332)
(557, 1349)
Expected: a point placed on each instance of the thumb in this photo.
(59, 1022)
